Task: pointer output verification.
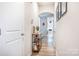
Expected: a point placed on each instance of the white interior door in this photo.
(12, 28)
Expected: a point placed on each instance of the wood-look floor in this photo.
(47, 47)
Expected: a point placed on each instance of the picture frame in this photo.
(63, 8)
(57, 15)
(58, 11)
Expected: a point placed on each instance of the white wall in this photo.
(28, 28)
(67, 31)
(35, 11)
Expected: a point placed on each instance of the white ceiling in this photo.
(46, 7)
(45, 3)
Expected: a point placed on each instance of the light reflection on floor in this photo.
(50, 40)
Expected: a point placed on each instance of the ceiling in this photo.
(45, 3)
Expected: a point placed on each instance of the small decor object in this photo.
(36, 43)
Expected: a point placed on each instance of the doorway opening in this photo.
(46, 32)
(44, 41)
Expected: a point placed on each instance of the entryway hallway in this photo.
(46, 29)
(20, 32)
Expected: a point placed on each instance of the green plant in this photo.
(37, 28)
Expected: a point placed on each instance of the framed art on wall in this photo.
(63, 8)
(58, 11)
(57, 14)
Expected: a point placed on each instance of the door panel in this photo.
(43, 26)
(12, 26)
(50, 25)
(15, 48)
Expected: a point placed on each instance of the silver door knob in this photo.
(22, 34)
